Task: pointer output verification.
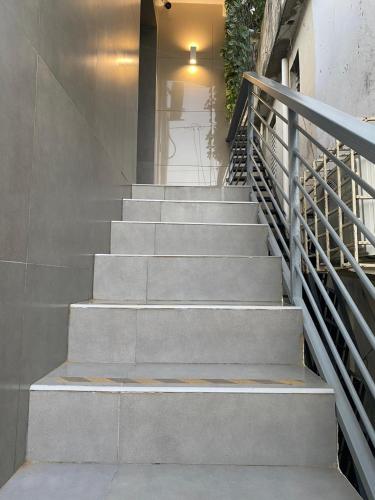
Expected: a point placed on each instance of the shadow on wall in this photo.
(194, 139)
(201, 141)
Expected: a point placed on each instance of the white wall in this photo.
(345, 54)
(190, 112)
(336, 44)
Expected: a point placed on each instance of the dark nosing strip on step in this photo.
(184, 381)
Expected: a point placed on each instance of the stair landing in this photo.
(175, 482)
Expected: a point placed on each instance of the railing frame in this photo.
(361, 138)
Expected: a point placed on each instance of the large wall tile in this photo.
(69, 104)
(186, 175)
(12, 278)
(188, 24)
(219, 147)
(191, 125)
(61, 172)
(68, 43)
(183, 138)
(17, 102)
(116, 91)
(26, 14)
(182, 88)
(49, 291)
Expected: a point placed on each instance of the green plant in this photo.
(243, 22)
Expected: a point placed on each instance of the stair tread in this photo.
(121, 377)
(72, 481)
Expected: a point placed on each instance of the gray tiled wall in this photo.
(68, 127)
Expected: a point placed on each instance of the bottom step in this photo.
(172, 482)
(182, 414)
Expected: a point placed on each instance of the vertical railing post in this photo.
(294, 198)
(250, 130)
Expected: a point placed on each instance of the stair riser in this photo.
(232, 280)
(169, 211)
(237, 429)
(190, 193)
(115, 335)
(188, 239)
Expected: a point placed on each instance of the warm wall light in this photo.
(124, 60)
(193, 54)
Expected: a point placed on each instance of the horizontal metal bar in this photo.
(354, 437)
(355, 177)
(357, 135)
(275, 204)
(364, 197)
(270, 150)
(340, 285)
(279, 115)
(237, 136)
(270, 173)
(340, 324)
(348, 202)
(283, 143)
(361, 275)
(340, 365)
(339, 201)
(274, 247)
(271, 217)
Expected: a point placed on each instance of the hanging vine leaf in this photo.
(244, 19)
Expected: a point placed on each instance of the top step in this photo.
(201, 193)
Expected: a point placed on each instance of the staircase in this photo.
(185, 376)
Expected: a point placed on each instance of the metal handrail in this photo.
(354, 133)
(286, 215)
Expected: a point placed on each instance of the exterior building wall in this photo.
(272, 19)
(68, 126)
(336, 49)
(190, 120)
(304, 46)
(334, 41)
(345, 53)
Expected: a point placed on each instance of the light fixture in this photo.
(193, 54)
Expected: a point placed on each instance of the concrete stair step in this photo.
(183, 414)
(163, 192)
(175, 482)
(188, 239)
(106, 333)
(224, 212)
(187, 279)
